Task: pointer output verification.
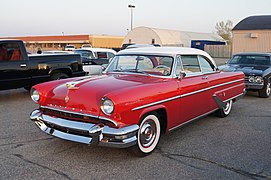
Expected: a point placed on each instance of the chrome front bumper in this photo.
(87, 133)
(254, 86)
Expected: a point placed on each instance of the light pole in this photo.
(131, 7)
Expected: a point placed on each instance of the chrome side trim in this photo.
(180, 125)
(212, 87)
(158, 102)
(184, 95)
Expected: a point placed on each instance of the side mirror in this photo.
(181, 75)
(104, 66)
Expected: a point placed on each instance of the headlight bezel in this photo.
(35, 95)
(255, 79)
(107, 106)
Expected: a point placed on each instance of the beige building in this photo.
(59, 42)
(252, 34)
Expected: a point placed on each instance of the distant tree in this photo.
(224, 29)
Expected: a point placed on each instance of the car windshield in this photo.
(250, 59)
(145, 64)
(85, 54)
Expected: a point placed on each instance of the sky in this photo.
(112, 17)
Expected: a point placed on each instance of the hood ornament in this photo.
(72, 85)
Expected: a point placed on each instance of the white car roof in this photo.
(173, 51)
(99, 50)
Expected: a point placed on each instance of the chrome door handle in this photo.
(23, 65)
(204, 77)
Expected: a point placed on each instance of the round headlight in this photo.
(107, 106)
(251, 79)
(259, 79)
(35, 96)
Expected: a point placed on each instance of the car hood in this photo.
(84, 94)
(246, 69)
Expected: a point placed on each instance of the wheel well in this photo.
(162, 118)
(66, 71)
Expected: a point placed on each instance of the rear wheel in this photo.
(224, 111)
(266, 91)
(58, 76)
(148, 135)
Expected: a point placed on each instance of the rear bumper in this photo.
(87, 133)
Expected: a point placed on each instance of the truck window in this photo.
(10, 52)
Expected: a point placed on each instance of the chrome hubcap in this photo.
(228, 107)
(268, 88)
(147, 134)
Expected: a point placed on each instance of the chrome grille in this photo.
(76, 116)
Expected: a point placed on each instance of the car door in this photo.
(192, 88)
(209, 71)
(14, 71)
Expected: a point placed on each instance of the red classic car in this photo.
(143, 93)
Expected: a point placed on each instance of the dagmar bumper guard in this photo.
(87, 133)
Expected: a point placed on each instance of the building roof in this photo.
(53, 38)
(254, 23)
(165, 37)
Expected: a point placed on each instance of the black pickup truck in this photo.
(17, 69)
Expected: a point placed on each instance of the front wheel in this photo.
(148, 135)
(266, 91)
(224, 111)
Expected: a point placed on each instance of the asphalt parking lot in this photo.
(235, 147)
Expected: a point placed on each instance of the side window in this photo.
(179, 66)
(110, 55)
(205, 65)
(10, 52)
(101, 55)
(190, 63)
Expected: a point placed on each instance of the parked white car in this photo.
(86, 46)
(70, 48)
(95, 58)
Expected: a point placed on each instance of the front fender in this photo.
(62, 69)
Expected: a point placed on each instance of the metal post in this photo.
(131, 7)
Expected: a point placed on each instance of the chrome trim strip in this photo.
(180, 125)
(158, 102)
(237, 96)
(143, 74)
(76, 113)
(184, 95)
(82, 114)
(107, 119)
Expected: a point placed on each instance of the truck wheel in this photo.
(224, 111)
(148, 135)
(28, 88)
(58, 76)
(266, 90)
